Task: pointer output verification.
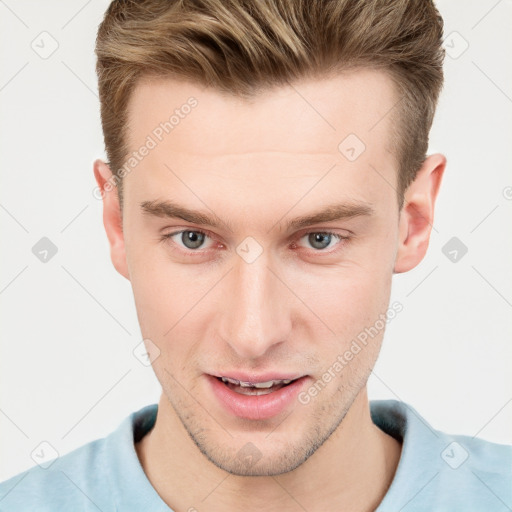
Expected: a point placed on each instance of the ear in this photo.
(112, 219)
(417, 215)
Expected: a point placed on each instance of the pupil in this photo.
(317, 240)
(192, 239)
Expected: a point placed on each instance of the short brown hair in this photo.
(242, 46)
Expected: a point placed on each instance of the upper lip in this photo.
(256, 378)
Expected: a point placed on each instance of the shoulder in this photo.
(61, 484)
(478, 472)
(461, 471)
(441, 471)
(104, 474)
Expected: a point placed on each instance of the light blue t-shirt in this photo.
(437, 472)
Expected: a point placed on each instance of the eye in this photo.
(189, 239)
(321, 240)
(194, 240)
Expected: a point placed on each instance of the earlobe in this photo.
(112, 219)
(417, 215)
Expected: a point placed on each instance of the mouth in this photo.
(257, 388)
(256, 397)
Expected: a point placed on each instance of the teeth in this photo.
(231, 381)
(259, 385)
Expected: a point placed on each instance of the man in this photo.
(267, 175)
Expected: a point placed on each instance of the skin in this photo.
(294, 309)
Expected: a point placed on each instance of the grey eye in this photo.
(192, 239)
(319, 240)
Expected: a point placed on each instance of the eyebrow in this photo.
(330, 213)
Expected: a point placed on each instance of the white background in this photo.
(69, 326)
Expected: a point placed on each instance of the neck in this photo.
(352, 470)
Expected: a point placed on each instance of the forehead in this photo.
(214, 146)
(309, 116)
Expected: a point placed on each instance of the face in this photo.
(259, 249)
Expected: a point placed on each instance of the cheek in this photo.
(354, 307)
(167, 317)
(162, 298)
(347, 297)
(157, 291)
(173, 303)
(351, 301)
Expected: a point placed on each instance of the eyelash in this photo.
(192, 253)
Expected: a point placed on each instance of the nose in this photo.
(255, 318)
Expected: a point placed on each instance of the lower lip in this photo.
(256, 407)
